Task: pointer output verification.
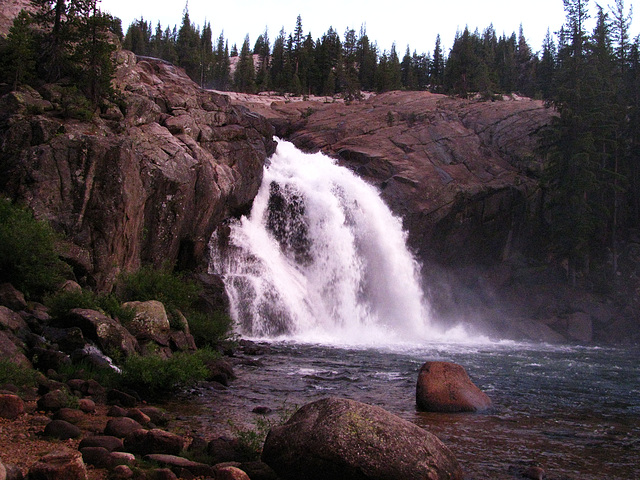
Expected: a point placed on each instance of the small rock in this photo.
(179, 463)
(156, 415)
(11, 406)
(117, 411)
(198, 445)
(123, 458)
(153, 441)
(138, 416)
(230, 473)
(70, 415)
(62, 464)
(224, 449)
(53, 401)
(121, 472)
(93, 388)
(220, 371)
(87, 405)
(121, 398)
(107, 442)
(99, 457)
(76, 384)
(121, 427)
(61, 430)
(258, 471)
(446, 387)
(261, 410)
(161, 474)
(12, 297)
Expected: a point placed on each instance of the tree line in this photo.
(591, 179)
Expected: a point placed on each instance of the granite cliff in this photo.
(145, 180)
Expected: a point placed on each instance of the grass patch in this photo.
(21, 377)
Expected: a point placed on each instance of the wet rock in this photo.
(337, 438)
(446, 387)
(62, 464)
(62, 430)
(121, 427)
(11, 406)
(108, 442)
(221, 371)
(109, 334)
(153, 441)
(179, 464)
(580, 327)
(230, 473)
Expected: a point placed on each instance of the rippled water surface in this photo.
(575, 411)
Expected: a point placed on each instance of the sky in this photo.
(413, 23)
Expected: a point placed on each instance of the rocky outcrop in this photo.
(455, 170)
(446, 387)
(337, 438)
(146, 180)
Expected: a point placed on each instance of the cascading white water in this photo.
(320, 258)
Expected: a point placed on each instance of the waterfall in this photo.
(320, 258)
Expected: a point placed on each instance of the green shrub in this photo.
(177, 293)
(28, 258)
(17, 375)
(154, 375)
(61, 303)
(208, 329)
(172, 289)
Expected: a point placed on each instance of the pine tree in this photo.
(187, 47)
(18, 64)
(367, 56)
(221, 68)
(436, 73)
(245, 75)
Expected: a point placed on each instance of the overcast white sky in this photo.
(412, 22)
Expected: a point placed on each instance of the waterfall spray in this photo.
(320, 258)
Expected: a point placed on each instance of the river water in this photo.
(320, 271)
(572, 410)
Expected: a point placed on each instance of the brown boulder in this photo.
(228, 472)
(11, 406)
(150, 321)
(61, 430)
(53, 401)
(10, 351)
(121, 427)
(337, 438)
(446, 387)
(107, 442)
(62, 464)
(10, 320)
(145, 442)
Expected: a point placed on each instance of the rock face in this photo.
(454, 170)
(446, 387)
(147, 180)
(338, 438)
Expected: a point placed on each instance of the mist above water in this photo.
(321, 259)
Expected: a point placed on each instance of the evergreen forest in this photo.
(591, 179)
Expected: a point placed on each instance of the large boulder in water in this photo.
(336, 438)
(446, 387)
